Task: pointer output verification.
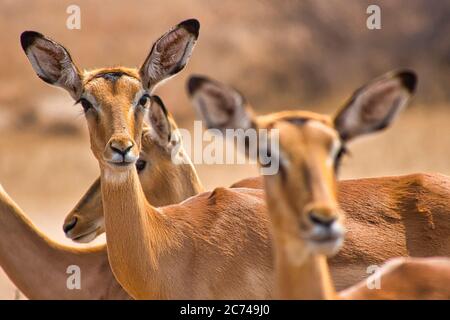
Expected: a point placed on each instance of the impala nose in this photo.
(121, 152)
(326, 232)
(70, 224)
(321, 215)
(318, 219)
(121, 147)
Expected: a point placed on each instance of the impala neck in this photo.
(175, 184)
(300, 273)
(190, 181)
(137, 234)
(38, 265)
(308, 278)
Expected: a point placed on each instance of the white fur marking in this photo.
(116, 177)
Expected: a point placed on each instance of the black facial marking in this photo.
(307, 176)
(297, 121)
(85, 104)
(111, 76)
(282, 171)
(338, 159)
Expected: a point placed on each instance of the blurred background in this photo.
(280, 54)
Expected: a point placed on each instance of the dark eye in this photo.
(85, 104)
(282, 171)
(140, 165)
(144, 100)
(340, 154)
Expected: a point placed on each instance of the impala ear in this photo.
(220, 107)
(170, 53)
(376, 105)
(160, 124)
(52, 62)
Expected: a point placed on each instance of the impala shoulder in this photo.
(404, 266)
(424, 180)
(220, 194)
(395, 264)
(419, 179)
(235, 196)
(430, 190)
(254, 183)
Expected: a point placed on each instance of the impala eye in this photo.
(340, 154)
(140, 165)
(144, 100)
(85, 104)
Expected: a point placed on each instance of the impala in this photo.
(169, 184)
(163, 182)
(98, 281)
(306, 219)
(174, 251)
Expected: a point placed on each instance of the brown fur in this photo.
(394, 216)
(388, 217)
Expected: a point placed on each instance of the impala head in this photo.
(114, 99)
(302, 195)
(160, 177)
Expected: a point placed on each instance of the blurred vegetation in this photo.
(279, 53)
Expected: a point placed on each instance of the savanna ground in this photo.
(284, 54)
